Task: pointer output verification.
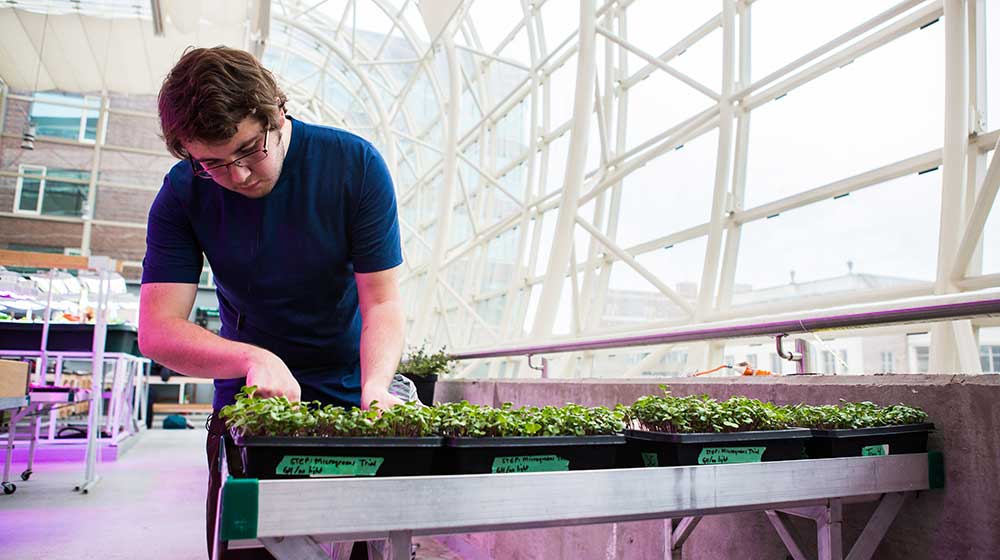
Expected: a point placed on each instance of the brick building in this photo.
(91, 151)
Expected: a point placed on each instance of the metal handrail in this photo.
(921, 310)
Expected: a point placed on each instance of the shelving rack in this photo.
(299, 518)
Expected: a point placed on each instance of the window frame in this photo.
(43, 179)
(85, 104)
(18, 188)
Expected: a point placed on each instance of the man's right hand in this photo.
(271, 376)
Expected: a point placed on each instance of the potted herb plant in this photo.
(862, 429)
(423, 369)
(483, 439)
(278, 438)
(665, 430)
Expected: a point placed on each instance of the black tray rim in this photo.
(719, 437)
(533, 441)
(899, 429)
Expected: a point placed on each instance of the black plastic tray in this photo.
(68, 337)
(425, 387)
(884, 440)
(659, 449)
(312, 457)
(528, 454)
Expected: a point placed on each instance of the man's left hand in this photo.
(385, 399)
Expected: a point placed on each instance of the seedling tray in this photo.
(660, 449)
(528, 454)
(885, 440)
(68, 337)
(325, 457)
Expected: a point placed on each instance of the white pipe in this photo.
(713, 250)
(980, 212)
(91, 211)
(944, 348)
(449, 171)
(583, 106)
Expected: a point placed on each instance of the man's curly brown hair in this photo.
(210, 91)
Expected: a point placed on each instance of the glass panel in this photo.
(90, 131)
(63, 198)
(670, 193)
(850, 120)
(776, 42)
(56, 120)
(30, 192)
(493, 21)
(880, 237)
(656, 26)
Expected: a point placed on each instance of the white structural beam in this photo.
(583, 106)
(913, 21)
(973, 231)
(710, 270)
(838, 41)
(734, 230)
(944, 348)
(628, 259)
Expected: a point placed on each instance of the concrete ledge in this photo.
(957, 522)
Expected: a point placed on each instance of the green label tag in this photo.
(725, 455)
(304, 465)
(650, 460)
(530, 463)
(875, 450)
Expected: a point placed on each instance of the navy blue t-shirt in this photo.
(284, 264)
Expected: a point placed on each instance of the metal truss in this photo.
(509, 216)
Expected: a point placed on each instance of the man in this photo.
(300, 227)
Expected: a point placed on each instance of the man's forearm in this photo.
(381, 345)
(189, 349)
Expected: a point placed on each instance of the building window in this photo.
(989, 357)
(831, 363)
(73, 117)
(887, 363)
(53, 192)
(923, 354)
(776, 364)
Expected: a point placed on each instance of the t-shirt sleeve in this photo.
(375, 229)
(173, 254)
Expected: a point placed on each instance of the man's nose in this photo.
(238, 174)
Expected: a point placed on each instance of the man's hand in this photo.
(385, 399)
(271, 376)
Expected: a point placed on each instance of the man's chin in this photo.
(257, 190)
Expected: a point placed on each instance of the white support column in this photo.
(705, 355)
(583, 106)
(95, 170)
(981, 180)
(449, 170)
(615, 73)
(710, 271)
(734, 230)
(944, 347)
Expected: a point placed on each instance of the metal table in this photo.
(11, 403)
(291, 518)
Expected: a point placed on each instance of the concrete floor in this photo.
(149, 504)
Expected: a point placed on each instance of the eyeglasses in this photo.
(222, 169)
